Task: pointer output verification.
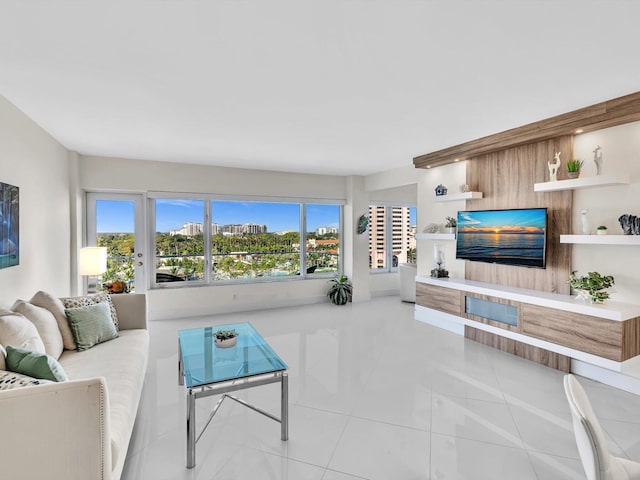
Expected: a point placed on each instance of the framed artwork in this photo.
(9, 225)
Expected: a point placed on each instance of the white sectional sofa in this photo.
(80, 429)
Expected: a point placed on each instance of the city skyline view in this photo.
(115, 216)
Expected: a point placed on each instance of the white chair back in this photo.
(590, 439)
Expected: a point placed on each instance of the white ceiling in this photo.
(321, 86)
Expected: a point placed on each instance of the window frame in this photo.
(208, 218)
(388, 233)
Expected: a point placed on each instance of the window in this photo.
(210, 241)
(391, 237)
(254, 240)
(323, 239)
(180, 249)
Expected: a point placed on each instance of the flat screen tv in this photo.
(510, 237)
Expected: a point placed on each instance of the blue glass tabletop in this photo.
(203, 363)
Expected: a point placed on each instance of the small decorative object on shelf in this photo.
(586, 224)
(225, 338)
(553, 167)
(431, 228)
(602, 230)
(451, 225)
(591, 287)
(363, 221)
(438, 263)
(597, 158)
(441, 190)
(574, 167)
(340, 290)
(464, 188)
(630, 224)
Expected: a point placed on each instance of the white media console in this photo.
(598, 341)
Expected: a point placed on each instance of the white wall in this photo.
(429, 211)
(32, 160)
(398, 186)
(105, 174)
(621, 153)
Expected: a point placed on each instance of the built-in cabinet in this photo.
(558, 327)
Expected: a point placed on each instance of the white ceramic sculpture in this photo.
(597, 158)
(586, 225)
(553, 167)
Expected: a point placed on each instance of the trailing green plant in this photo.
(593, 283)
(451, 222)
(340, 290)
(225, 334)
(574, 166)
(602, 227)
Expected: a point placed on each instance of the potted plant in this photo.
(340, 290)
(225, 338)
(591, 287)
(574, 167)
(451, 225)
(602, 230)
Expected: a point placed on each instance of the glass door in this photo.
(116, 221)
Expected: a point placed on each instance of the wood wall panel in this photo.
(439, 298)
(507, 178)
(529, 352)
(597, 336)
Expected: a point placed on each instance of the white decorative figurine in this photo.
(597, 158)
(553, 167)
(586, 226)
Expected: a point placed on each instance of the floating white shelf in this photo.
(601, 239)
(435, 236)
(458, 196)
(578, 183)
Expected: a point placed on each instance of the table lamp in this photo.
(92, 262)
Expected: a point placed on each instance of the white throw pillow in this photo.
(11, 380)
(46, 325)
(19, 332)
(55, 306)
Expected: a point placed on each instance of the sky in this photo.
(514, 220)
(117, 216)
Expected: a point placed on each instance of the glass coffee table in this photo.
(206, 370)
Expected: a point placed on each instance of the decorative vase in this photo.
(602, 232)
(573, 175)
(450, 229)
(584, 295)
(226, 343)
(586, 225)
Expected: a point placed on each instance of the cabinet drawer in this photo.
(593, 335)
(439, 298)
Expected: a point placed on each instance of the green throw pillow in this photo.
(91, 325)
(34, 364)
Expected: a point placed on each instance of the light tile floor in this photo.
(374, 395)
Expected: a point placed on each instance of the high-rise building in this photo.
(402, 236)
(188, 229)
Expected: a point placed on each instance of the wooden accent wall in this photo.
(506, 179)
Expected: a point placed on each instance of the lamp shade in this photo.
(92, 260)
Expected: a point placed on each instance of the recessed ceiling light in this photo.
(579, 130)
(457, 160)
(428, 166)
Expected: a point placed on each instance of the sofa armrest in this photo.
(57, 430)
(131, 309)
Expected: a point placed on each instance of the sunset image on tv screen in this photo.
(513, 237)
